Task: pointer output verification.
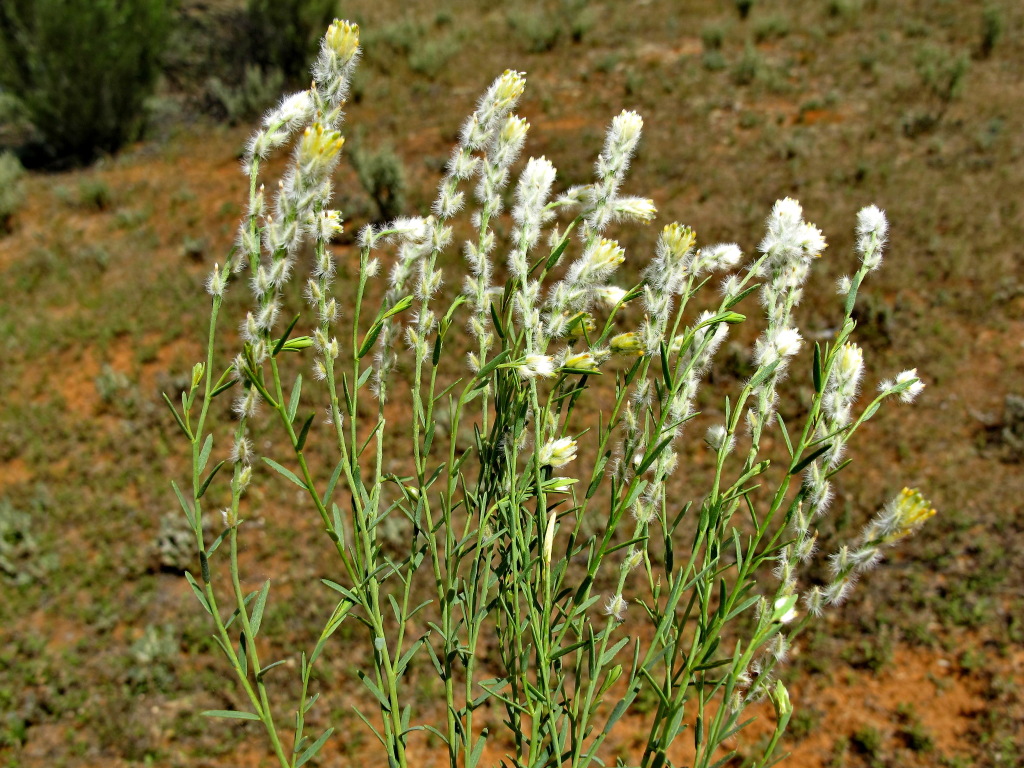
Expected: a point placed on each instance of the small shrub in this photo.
(258, 90)
(382, 177)
(538, 31)
(82, 69)
(744, 7)
(771, 28)
(579, 17)
(431, 58)
(714, 61)
(867, 741)
(712, 36)
(942, 74)
(22, 560)
(94, 195)
(12, 192)
(285, 33)
(991, 30)
(748, 68)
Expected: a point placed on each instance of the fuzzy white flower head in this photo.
(624, 134)
(537, 365)
(510, 140)
(872, 229)
(616, 607)
(779, 345)
(215, 282)
(721, 256)
(293, 111)
(909, 394)
(811, 240)
(557, 453)
(717, 436)
(609, 295)
(634, 208)
(851, 363)
(327, 225)
(786, 212)
(605, 256)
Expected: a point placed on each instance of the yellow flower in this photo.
(343, 38)
(910, 510)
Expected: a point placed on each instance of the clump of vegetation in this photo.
(991, 30)
(12, 192)
(942, 74)
(258, 90)
(82, 69)
(510, 562)
(382, 176)
(285, 34)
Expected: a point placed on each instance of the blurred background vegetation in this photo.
(121, 122)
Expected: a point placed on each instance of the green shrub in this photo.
(11, 192)
(286, 33)
(991, 30)
(712, 36)
(382, 176)
(257, 91)
(82, 69)
(748, 68)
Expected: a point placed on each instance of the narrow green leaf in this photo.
(368, 341)
(262, 672)
(762, 375)
(741, 296)
(293, 403)
(653, 455)
(785, 434)
(221, 388)
(189, 513)
(284, 337)
(309, 704)
(335, 476)
(816, 371)
(851, 296)
(363, 377)
(177, 418)
(556, 254)
(609, 654)
(284, 472)
(802, 464)
(493, 363)
(231, 714)
(303, 433)
(313, 748)
(209, 479)
(204, 454)
(257, 610)
(478, 750)
(199, 593)
(217, 542)
(377, 692)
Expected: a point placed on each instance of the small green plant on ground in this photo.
(521, 565)
(12, 191)
(82, 69)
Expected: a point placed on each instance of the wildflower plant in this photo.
(548, 570)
